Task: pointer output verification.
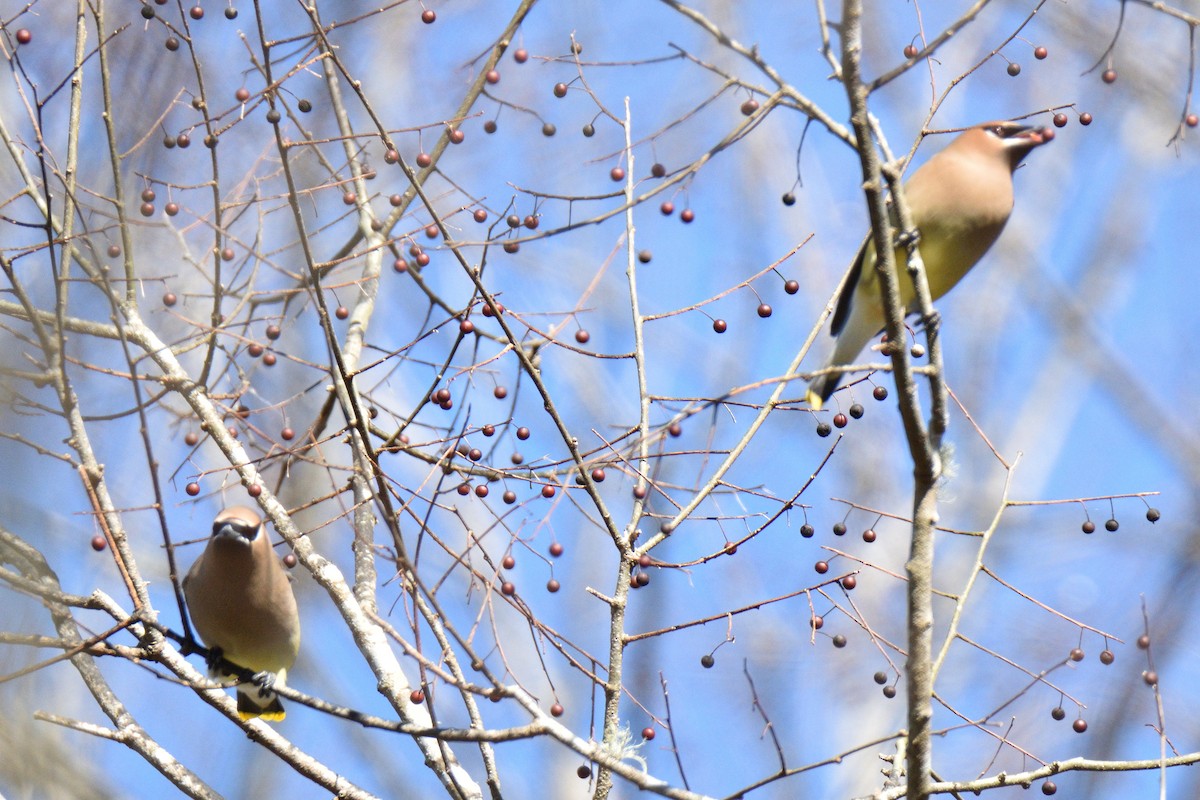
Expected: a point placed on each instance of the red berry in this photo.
(341, 312)
(424, 160)
(1060, 120)
(547, 491)
(1040, 52)
(910, 51)
(764, 310)
(510, 497)
(192, 489)
(560, 90)
(749, 107)
(1014, 69)
(171, 208)
(647, 733)
(1109, 76)
(687, 215)
(849, 582)
(508, 588)
(1085, 118)
(24, 36)
(617, 174)
(821, 567)
(720, 326)
(169, 299)
(287, 434)
(242, 94)
(428, 16)
(99, 543)
(553, 586)
(480, 215)
(520, 55)
(1192, 120)
(556, 549)
(582, 336)
(667, 208)
(492, 76)
(556, 710)
(196, 12)
(1080, 725)
(509, 561)
(658, 170)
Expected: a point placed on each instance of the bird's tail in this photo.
(821, 388)
(249, 706)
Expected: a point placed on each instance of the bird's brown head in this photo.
(1008, 139)
(237, 523)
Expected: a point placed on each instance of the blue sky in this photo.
(1066, 345)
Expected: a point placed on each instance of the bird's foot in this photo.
(265, 681)
(215, 656)
(908, 238)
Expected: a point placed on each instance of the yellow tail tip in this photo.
(814, 400)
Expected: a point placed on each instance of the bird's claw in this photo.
(908, 238)
(265, 681)
(215, 656)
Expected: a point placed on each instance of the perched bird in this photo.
(241, 602)
(960, 200)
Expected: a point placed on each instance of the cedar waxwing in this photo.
(241, 602)
(960, 200)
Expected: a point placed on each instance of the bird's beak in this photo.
(229, 531)
(1032, 135)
